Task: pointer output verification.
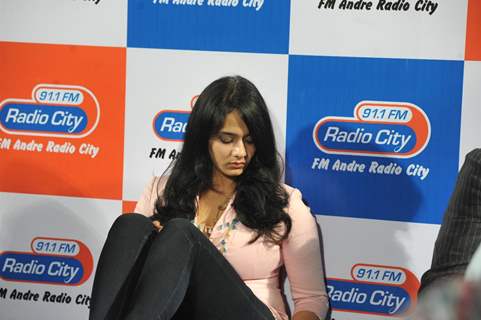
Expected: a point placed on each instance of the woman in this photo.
(246, 226)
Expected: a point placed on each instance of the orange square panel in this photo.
(62, 119)
(473, 31)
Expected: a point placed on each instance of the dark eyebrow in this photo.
(232, 134)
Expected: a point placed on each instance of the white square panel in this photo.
(94, 22)
(26, 217)
(354, 244)
(471, 110)
(334, 30)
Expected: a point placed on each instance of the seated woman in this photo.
(225, 226)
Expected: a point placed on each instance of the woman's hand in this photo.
(157, 225)
(305, 315)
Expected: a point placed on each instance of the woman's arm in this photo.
(305, 315)
(302, 258)
(146, 203)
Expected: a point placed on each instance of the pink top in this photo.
(300, 254)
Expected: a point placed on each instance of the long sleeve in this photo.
(146, 203)
(460, 232)
(302, 258)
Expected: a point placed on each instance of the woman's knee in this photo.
(132, 222)
(183, 225)
(179, 223)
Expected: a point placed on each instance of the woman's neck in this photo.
(223, 185)
(213, 202)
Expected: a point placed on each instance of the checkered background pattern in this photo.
(94, 95)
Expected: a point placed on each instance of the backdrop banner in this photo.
(374, 104)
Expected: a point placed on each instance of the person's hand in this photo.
(157, 225)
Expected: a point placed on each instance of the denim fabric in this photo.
(178, 274)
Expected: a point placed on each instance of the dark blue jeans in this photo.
(176, 273)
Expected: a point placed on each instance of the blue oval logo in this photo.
(170, 124)
(43, 118)
(368, 298)
(365, 137)
(17, 266)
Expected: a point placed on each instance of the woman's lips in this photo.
(236, 165)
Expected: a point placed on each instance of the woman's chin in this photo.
(233, 173)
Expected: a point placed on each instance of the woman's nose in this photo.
(239, 149)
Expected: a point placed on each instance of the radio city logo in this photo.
(54, 111)
(375, 289)
(52, 261)
(380, 129)
(170, 124)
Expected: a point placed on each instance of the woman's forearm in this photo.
(304, 315)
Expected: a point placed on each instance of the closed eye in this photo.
(248, 140)
(225, 138)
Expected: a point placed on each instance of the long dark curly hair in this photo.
(260, 199)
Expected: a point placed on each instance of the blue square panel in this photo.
(374, 138)
(260, 26)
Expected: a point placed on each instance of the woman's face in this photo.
(232, 148)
